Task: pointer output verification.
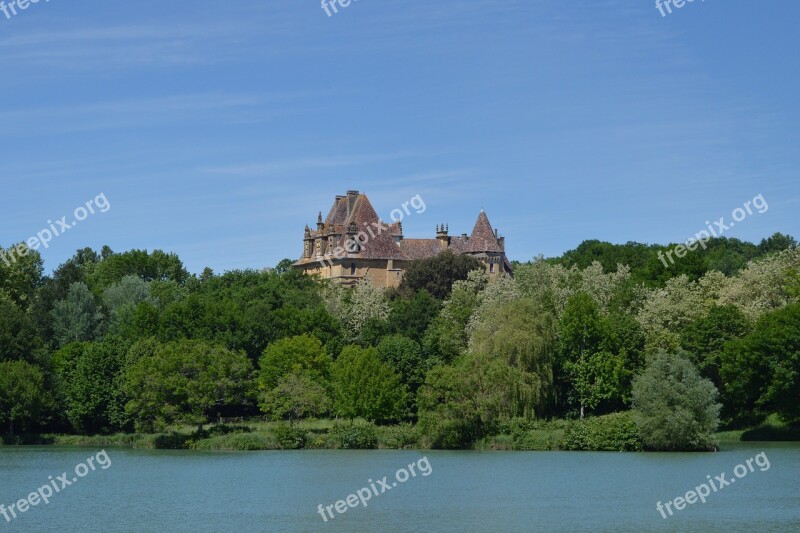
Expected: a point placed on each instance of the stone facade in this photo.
(352, 243)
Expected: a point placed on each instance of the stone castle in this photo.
(353, 243)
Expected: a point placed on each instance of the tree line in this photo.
(131, 341)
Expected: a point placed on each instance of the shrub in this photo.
(675, 408)
(450, 434)
(237, 442)
(224, 429)
(355, 437)
(529, 434)
(290, 437)
(400, 437)
(172, 441)
(615, 432)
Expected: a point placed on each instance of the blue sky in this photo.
(217, 130)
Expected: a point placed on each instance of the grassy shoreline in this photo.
(328, 435)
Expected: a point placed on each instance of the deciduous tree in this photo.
(673, 406)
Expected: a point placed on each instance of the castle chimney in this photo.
(398, 238)
(441, 235)
(352, 196)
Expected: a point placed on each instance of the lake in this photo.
(163, 491)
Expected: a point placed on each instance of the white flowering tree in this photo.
(552, 285)
(357, 306)
(764, 285)
(668, 310)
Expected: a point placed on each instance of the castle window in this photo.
(491, 267)
(352, 269)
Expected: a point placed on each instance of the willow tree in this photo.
(460, 403)
(518, 334)
(673, 406)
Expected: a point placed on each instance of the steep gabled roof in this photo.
(459, 245)
(380, 243)
(338, 213)
(355, 209)
(420, 248)
(483, 238)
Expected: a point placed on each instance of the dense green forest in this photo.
(132, 342)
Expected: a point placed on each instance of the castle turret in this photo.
(353, 246)
(442, 237)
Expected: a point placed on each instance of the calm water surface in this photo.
(155, 491)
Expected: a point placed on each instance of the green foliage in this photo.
(20, 273)
(237, 442)
(284, 266)
(291, 437)
(295, 396)
(89, 377)
(19, 340)
(399, 437)
(721, 254)
(461, 403)
(24, 401)
(411, 317)
(302, 355)
(778, 242)
(527, 434)
(121, 301)
(241, 310)
(551, 285)
(616, 432)
(597, 357)
(761, 372)
(774, 428)
(522, 337)
(582, 333)
(437, 274)
(407, 358)
(76, 318)
(706, 336)
(366, 387)
(355, 436)
(112, 268)
(559, 335)
(673, 406)
(187, 381)
(447, 336)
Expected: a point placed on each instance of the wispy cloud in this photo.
(120, 114)
(304, 163)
